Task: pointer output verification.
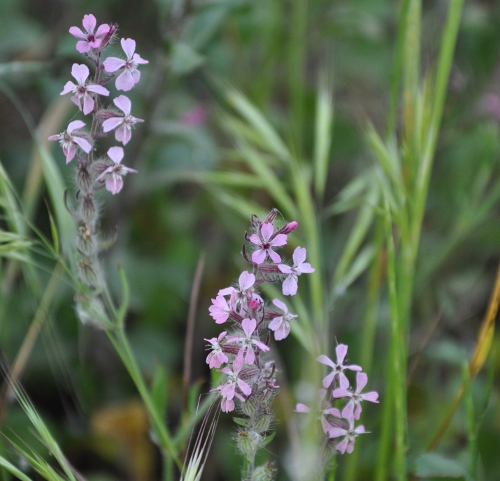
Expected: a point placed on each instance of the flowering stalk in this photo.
(250, 376)
(338, 425)
(106, 171)
(93, 302)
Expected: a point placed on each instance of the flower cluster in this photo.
(79, 140)
(336, 423)
(86, 95)
(252, 320)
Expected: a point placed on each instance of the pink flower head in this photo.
(220, 309)
(350, 434)
(265, 241)
(234, 386)
(83, 92)
(299, 267)
(281, 324)
(247, 342)
(71, 141)
(114, 173)
(323, 412)
(217, 356)
(242, 297)
(337, 367)
(122, 123)
(90, 39)
(130, 75)
(353, 409)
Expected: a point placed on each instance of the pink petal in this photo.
(139, 60)
(80, 72)
(302, 408)
(77, 32)
(102, 30)
(98, 89)
(83, 144)
(54, 137)
(361, 381)
(299, 255)
(128, 46)
(258, 257)
(250, 356)
(285, 269)
(327, 381)
(69, 87)
(280, 305)
(88, 104)
(125, 81)
(305, 268)
(245, 388)
(114, 184)
(325, 360)
(371, 396)
(70, 153)
(290, 286)
(115, 154)
(255, 239)
(76, 124)
(275, 323)
(274, 257)
(337, 432)
(267, 231)
(246, 280)
(279, 240)
(341, 351)
(123, 135)
(111, 123)
(89, 22)
(248, 326)
(123, 103)
(112, 64)
(82, 46)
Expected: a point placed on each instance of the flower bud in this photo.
(264, 473)
(248, 441)
(83, 179)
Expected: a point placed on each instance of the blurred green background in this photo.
(169, 215)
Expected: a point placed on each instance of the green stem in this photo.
(120, 342)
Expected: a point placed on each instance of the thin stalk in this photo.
(369, 327)
(296, 68)
(120, 342)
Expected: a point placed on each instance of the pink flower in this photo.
(350, 434)
(89, 38)
(233, 386)
(299, 267)
(83, 92)
(266, 242)
(281, 324)
(114, 173)
(220, 309)
(122, 124)
(337, 367)
(71, 141)
(130, 75)
(216, 357)
(324, 411)
(247, 342)
(242, 297)
(353, 409)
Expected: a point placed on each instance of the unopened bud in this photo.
(264, 473)
(83, 179)
(271, 216)
(248, 441)
(291, 226)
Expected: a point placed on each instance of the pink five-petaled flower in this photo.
(350, 434)
(220, 309)
(242, 297)
(216, 357)
(353, 407)
(90, 39)
(122, 123)
(115, 172)
(281, 324)
(299, 267)
(266, 244)
(324, 409)
(70, 141)
(83, 93)
(233, 382)
(130, 75)
(337, 367)
(247, 342)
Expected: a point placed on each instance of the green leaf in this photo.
(184, 59)
(268, 439)
(437, 466)
(241, 421)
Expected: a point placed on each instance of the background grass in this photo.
(331, 113)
